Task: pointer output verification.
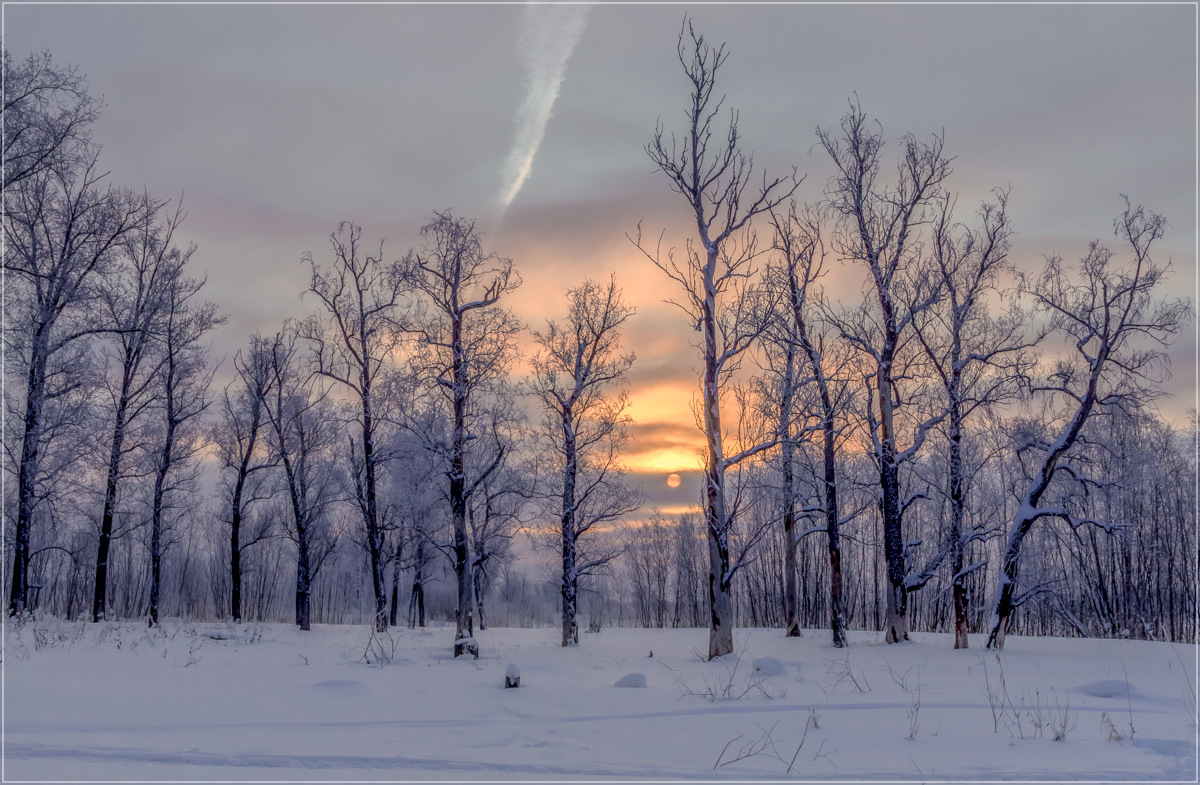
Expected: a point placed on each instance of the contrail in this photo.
(548, 37)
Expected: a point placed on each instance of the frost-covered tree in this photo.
(352, 342)
(714, 176)
(184, 377)
(304, 431)
(48, 114)
(579, 372)
(467, 341)
(1116, 331)
(812, 361)
(877, 226)
(978, 359)
(404, 492)
(244, 455)
(496, 513)
(64, 230)
(417, 501)
(136, 303)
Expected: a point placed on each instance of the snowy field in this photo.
(267, 702)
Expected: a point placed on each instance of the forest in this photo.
(899, 429)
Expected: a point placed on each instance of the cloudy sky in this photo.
(277, 121)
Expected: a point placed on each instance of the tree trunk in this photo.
(374, 536)
(156, 528)
(416, 600)
(165, 459)
(957, 515)
(155, 570)
(100, 596)
(893, 538)
(463, 622)
(570, 583)
(395, 588)
(791, 604)
(26, 475)
(720, 600)
(1008, 582)
(303, 586)
(478, 584)
(235, 567)
(837, 620)
(235, 517)
(720, 636)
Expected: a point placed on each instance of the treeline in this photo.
(877, 463)
(1139, 580)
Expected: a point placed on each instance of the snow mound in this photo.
(631, 680)
(466, 646)
(512, 676)
(769, 666)
(1108, 688)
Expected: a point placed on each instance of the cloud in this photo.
(548, 36)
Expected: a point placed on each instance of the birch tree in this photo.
(714, 176)
(352, 343)
(579, 373)
(1116, 332)
(467, 342)
(878, 226)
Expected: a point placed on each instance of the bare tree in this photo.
(687, 559)
(978, 359)
(352, 344)
(716, 279)
(578, 376)
(468, 340)
(244, 455)
(497, 512)
(62, 228)
(649, 570)
(48, 113)
(136, 302)
(1116, 333)
(414, 501)
(806, 342)
(49, 164)
(303, 428)
(184, 378)
(422, 556)
(417, 498)
(877, 228)
(776, 394)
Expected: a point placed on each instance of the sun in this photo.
(673, 481)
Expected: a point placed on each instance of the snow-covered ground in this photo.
(267, 702)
